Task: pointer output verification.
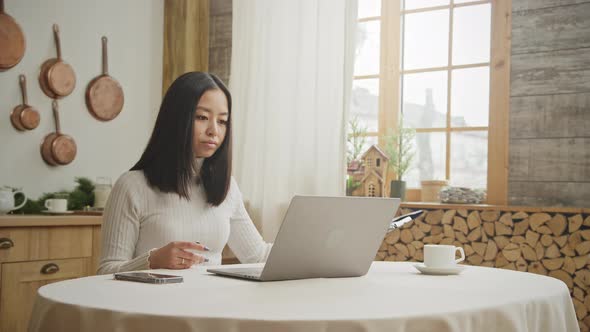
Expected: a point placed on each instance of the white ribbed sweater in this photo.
(138, 218)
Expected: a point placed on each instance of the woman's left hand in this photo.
(175, 255)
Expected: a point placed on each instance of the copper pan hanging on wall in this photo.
(24, 116)
(104, 95)
(48, 141)
(58, 148)
(12, 40)
(57, 78)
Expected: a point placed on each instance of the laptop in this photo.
(324, 237)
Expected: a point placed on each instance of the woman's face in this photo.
(210, 125)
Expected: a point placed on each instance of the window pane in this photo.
(366, 61)
(369, 8)
(470, 97)
(370, 141)
(429, 159)
(365, 102)
(425, 100)
(469, 159)
(426, 39)
(366, 141)
(414, 4)
(471, 34)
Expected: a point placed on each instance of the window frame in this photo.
(390, 75)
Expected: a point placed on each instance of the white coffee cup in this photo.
(439, 256)
(56, 204)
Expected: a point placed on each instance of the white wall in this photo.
(135, 32)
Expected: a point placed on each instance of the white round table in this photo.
(393, 296)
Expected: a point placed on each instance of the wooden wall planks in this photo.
(566, 115)
(220, 38)
(553, 72)
(549, 29)
(221, 7)
(529, 193)
(518, 5)
(550, 104)
(550, 159)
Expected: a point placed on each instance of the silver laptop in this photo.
(324, 237)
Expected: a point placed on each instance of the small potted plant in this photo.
(398, 145)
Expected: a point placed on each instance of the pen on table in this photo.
(402, 220)
(398, 224)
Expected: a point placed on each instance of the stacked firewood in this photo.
(556, 244)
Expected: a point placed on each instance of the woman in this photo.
(179, 206)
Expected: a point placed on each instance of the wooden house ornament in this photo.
(371, 172)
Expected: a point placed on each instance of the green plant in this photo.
(355, 140)
(80, 197)
(398, 145)
(351, 185)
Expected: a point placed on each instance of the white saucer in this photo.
(440, 271)
(57, 212)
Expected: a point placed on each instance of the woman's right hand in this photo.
(174, 256)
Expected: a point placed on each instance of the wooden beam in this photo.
(389, 87)
(498, 136)
(449, 96)
(186, 38)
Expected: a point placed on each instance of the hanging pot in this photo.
(14, 119)
(58, 148)
(104, 95)
(12, 40)
(47, 143)
(57, 78)
(24, 116)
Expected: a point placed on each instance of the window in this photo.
(427, 62)
(445, 91)
(369, 162)
(378, 162)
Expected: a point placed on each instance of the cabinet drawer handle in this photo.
(49, 268)
(6, 243)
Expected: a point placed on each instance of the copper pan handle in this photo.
(56, 117)
(1, 6)
(105, 58)
(57, 40)
(23, 87)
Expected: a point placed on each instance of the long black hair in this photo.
(168, 159)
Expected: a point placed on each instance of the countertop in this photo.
(11, 220)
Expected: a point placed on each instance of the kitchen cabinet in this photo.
(38, 250)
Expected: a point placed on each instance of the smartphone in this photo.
(151, 278)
